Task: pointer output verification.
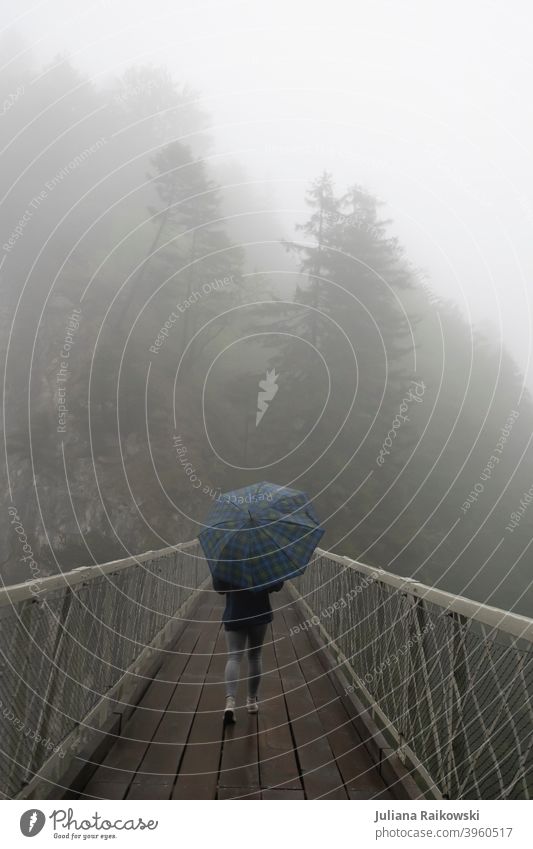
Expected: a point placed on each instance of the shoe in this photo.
(251, 705)
(229, 711)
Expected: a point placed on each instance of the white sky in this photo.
(426, 103)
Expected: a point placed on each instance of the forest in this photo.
(166, 338)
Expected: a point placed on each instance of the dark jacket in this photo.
(245, 608)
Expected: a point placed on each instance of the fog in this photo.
(426, 102)
(425, 108)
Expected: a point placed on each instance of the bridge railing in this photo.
(73, 647)
(449, 681)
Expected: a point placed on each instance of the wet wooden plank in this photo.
(320, 774)
(364, 794)
(239, 766)
(359, 772)
(277, 759)
(198, 774)
(125, 756)
(105, 790)
(241, 793)
(277, 793)
(303, 743)
(160, 764)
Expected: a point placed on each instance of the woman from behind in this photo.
(246, 616)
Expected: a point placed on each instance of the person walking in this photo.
(246, 616)
(254, 539)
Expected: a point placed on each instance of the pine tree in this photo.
(313, 252)
(361, 350)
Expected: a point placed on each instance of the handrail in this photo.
(14, 593)
(447, 680)
(76, 649)
(504, 620)
(511, 623)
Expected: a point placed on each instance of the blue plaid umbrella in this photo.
(260, 534)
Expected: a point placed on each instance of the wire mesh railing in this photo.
(449, 680)
(69, 641)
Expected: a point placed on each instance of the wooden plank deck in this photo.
(301, 745)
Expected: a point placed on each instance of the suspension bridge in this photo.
(374, 686)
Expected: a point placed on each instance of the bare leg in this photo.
(256, 637)
(236, 643)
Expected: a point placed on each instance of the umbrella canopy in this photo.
(259, 535)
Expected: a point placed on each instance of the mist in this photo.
(330, 206)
